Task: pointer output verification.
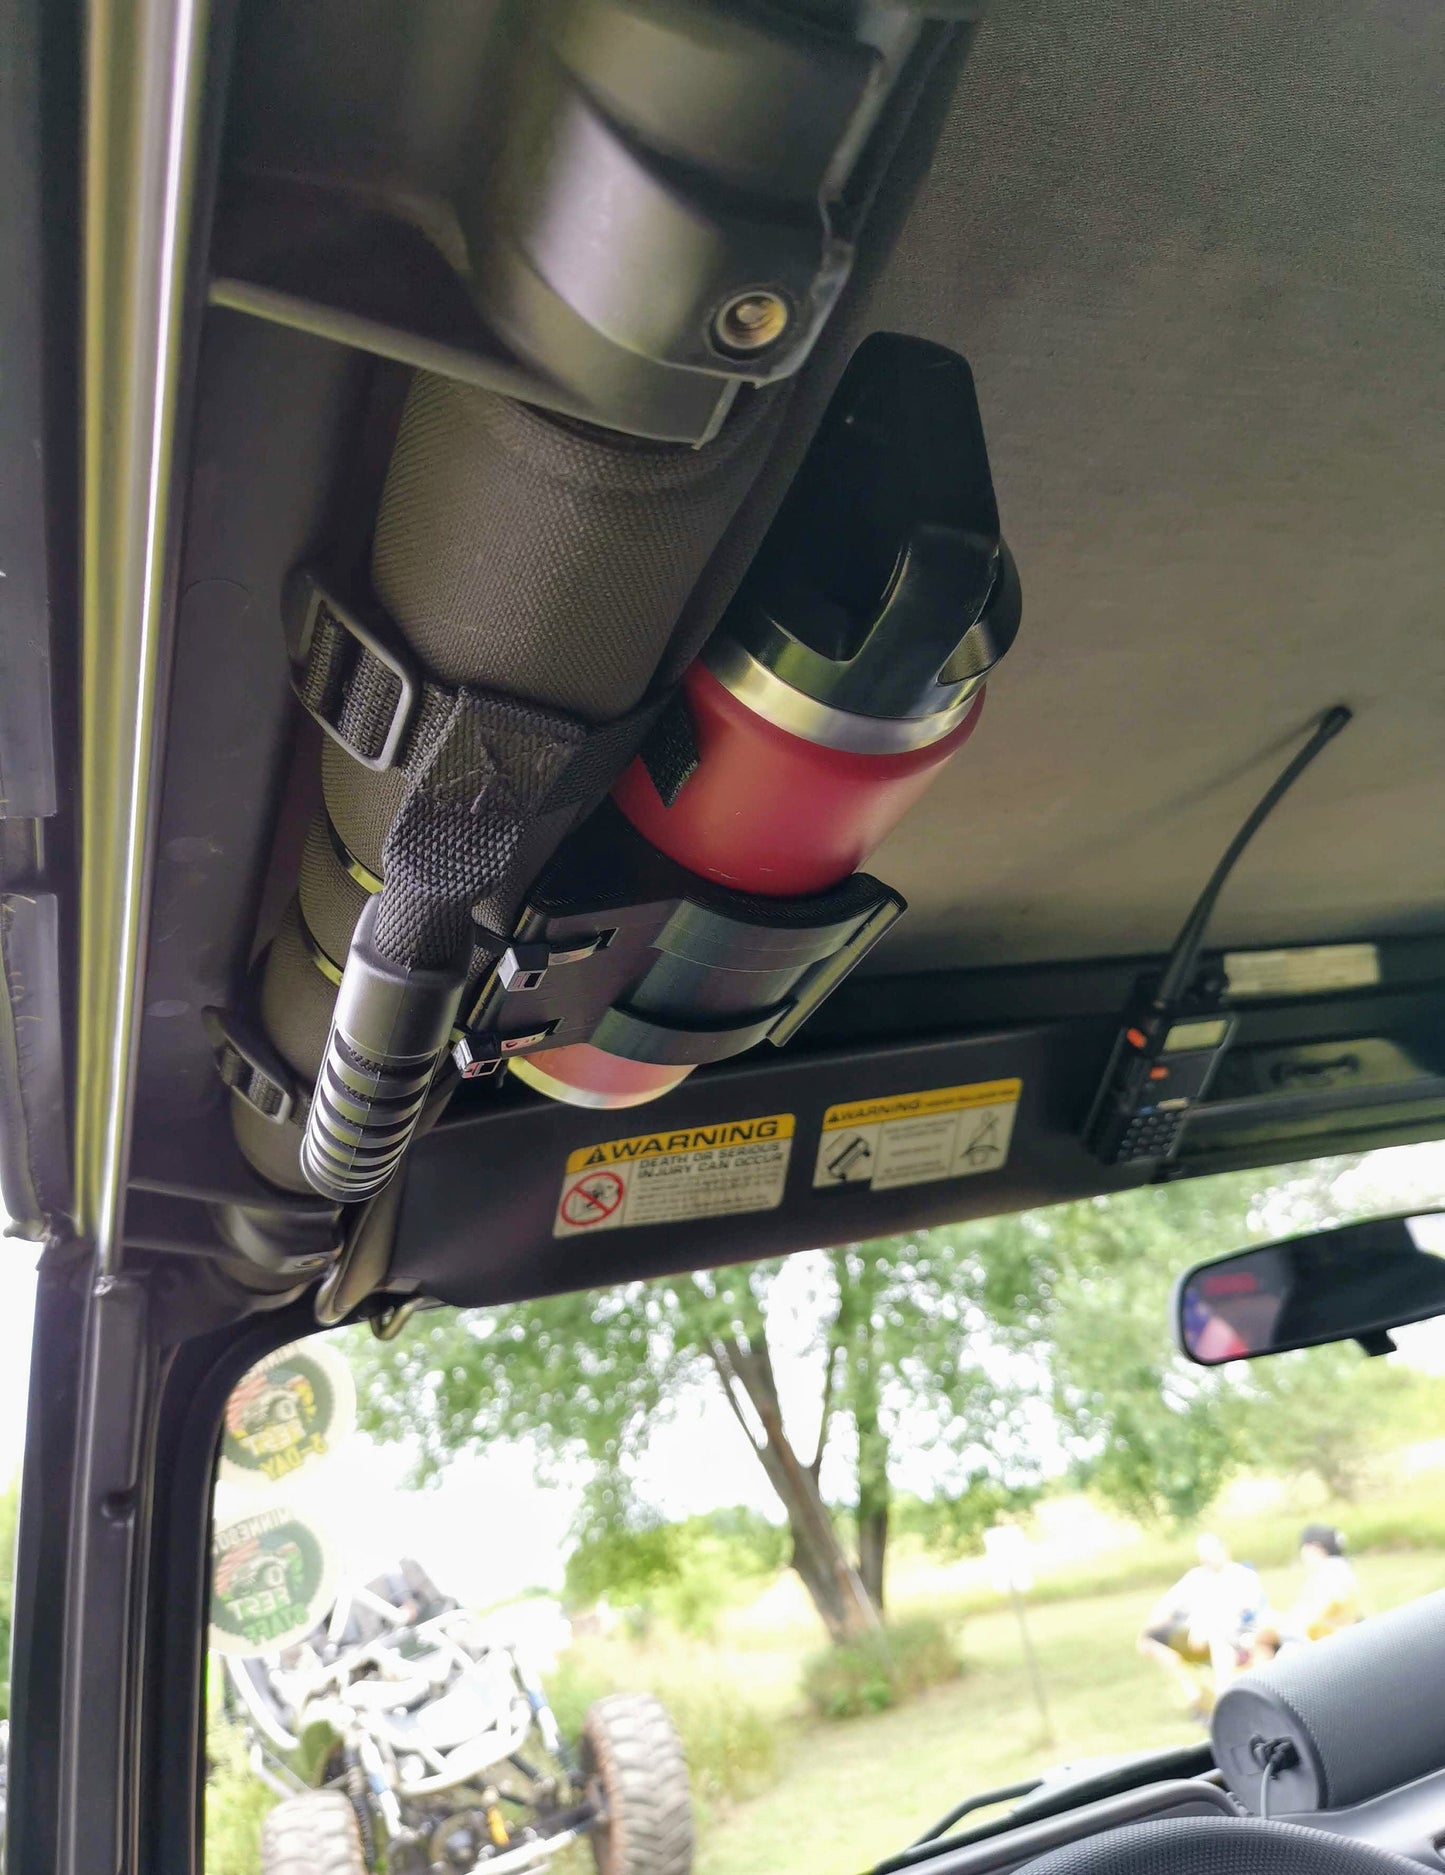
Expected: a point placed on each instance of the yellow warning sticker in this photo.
(691, 1172)
(912, 1139)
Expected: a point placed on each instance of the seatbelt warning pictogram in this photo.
(913, 1139)
(848, 1158)
(692, 1172)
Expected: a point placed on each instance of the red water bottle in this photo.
(848, 670)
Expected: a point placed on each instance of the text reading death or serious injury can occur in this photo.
(691, 1172)
(913, 1139)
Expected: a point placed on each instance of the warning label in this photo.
(911, 1139)
(659, 1178)
(1309, 971)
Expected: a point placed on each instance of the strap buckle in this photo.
(355, 678)
(481, 1053)
(524, 966)
(250, 1066)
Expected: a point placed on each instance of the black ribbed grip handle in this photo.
(387, 1035)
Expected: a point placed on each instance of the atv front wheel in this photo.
(631, 1755)
(314, 1833)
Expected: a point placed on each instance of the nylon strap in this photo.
(253, 1084)
(493, 783)
(250, 1066)
(670, 753)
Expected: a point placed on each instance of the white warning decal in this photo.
(659, 1178)
(912, 1139)
(1310, 971)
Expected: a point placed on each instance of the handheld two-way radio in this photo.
(1171, 1042)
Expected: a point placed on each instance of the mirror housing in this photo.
(1353, 1282)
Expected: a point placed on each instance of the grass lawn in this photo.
(837, 1797)
(850, 1793)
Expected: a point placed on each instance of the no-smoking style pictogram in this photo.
(591, 1199)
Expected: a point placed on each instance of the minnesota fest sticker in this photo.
(272, 1579)
(287, 1414)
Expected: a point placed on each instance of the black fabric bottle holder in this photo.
(513, 553)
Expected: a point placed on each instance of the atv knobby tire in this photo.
(314, 1833)
(630, 1751)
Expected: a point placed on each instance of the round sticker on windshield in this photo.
(288, 1413)
(272, 1580)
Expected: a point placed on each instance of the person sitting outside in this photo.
(1204, 1621)
(1328, 1601)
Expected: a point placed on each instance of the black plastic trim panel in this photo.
(477, 1215)
(28, 787)
(1410, 1821)
(1012, 1847)
(476, 1221)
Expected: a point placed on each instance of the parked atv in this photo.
(431, 1734)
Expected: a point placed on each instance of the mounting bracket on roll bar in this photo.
(657, 204)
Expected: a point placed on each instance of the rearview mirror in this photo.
(1353, 1282)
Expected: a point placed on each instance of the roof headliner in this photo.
(1194, 257)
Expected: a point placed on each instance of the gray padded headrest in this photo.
(1363, 1710)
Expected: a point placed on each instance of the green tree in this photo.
(1325, 1413)
(628, 1565)
(1156, 1436)
(903, 1336)
(689, 1571)
(1005, 1348)
(760, 1546)
(952, 1524)
(9, 1516)
(1153, 1433)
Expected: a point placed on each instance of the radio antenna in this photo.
(1179, 970)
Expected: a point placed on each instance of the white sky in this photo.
(17, 1319)
(488, 1530)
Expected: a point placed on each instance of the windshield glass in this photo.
(867, 1529)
